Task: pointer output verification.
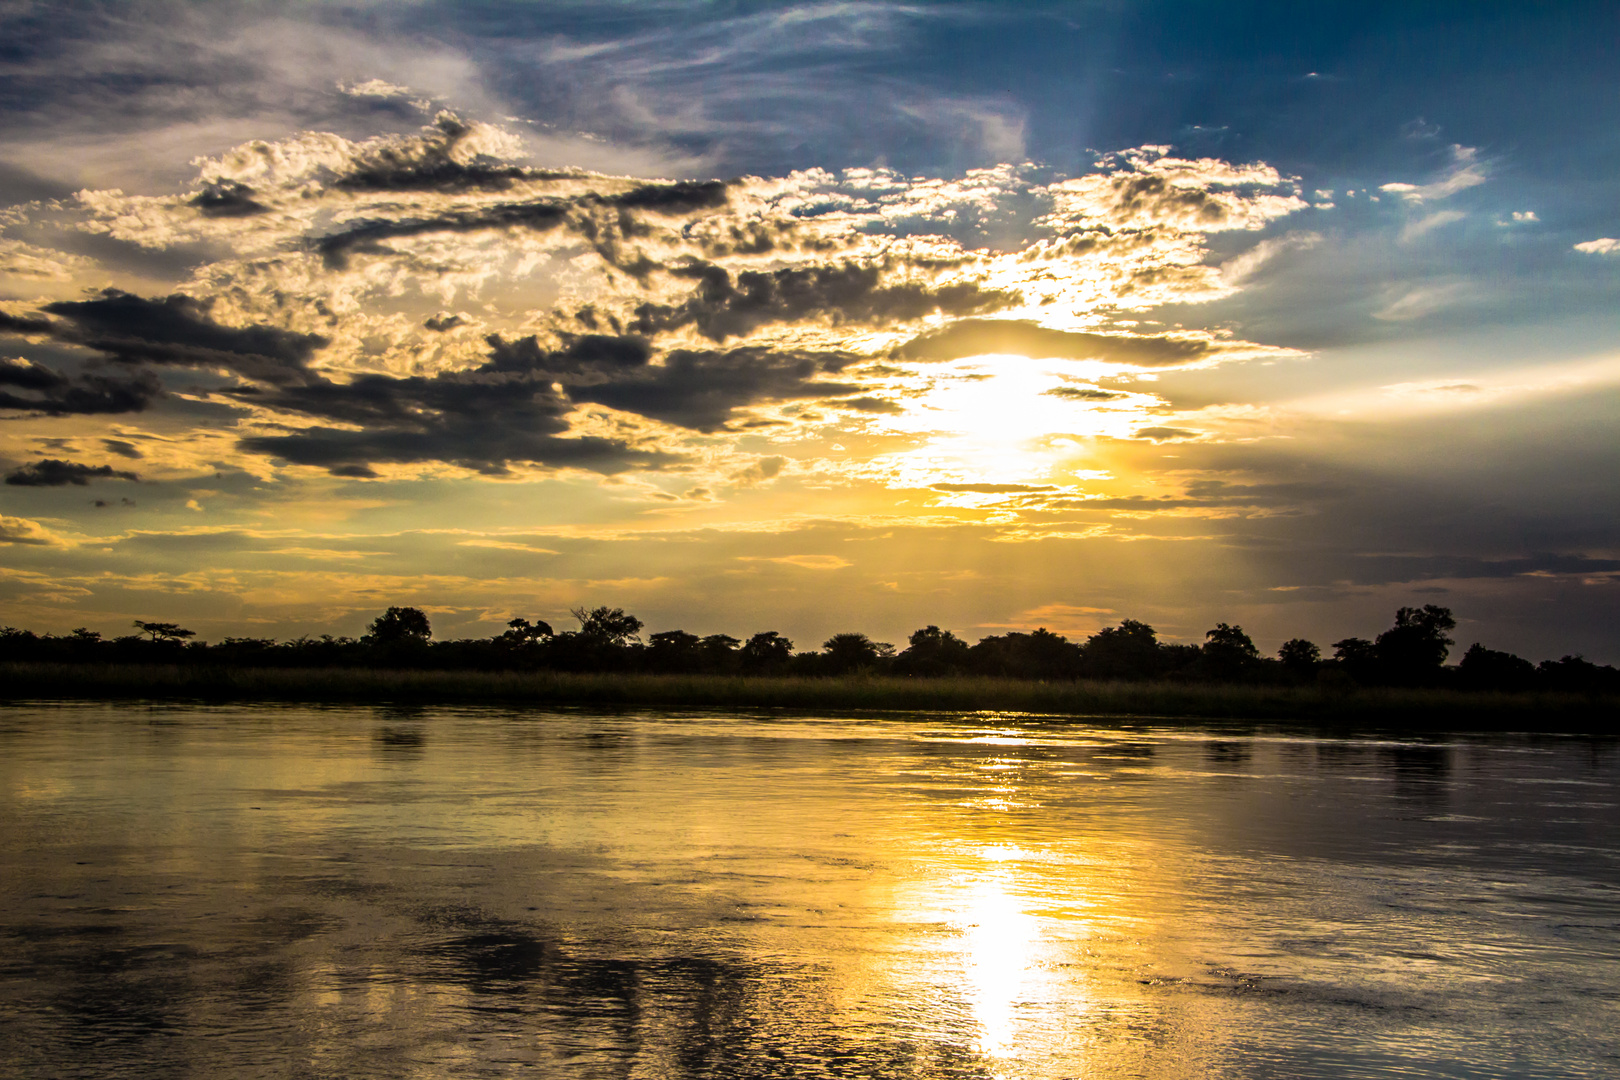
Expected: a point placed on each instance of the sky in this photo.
(814, 317)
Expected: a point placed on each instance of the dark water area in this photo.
(286, 891)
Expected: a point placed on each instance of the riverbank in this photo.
(1381, 707)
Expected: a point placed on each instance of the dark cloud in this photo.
(507, 410)
(17, 324)
(700, 389)
(514, 407)
(1083, 393)
(370, 236)
(1138, 195)
(681, 197)
(536, 215)
(227, 199)
(51, 472)
(122, 448)
(1208, 493)
(849, 293)
(429, 164)
(177, 330)
(440, 323)
(1383, 569)
(993, 489)
(870, 404)
(1166, 434)
(977, 337)
(54, 394)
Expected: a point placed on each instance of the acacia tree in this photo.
(160, 631)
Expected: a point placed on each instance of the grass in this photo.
(1333, 706)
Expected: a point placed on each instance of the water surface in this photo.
(274, 891)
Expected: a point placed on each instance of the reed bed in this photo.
(1379, 707)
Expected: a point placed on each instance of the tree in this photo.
(1358, 657)
(607, 626)
(673, 650)
(1414, 648)
(1299, 655)
(932, 652)
(850, 652)
(767, 651)
(164, 631)
(400, 626)
(522, 632)
(1490, 669)
(1230, 643)
(1127, 651)
(718, 652)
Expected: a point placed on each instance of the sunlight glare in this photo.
(999, 937)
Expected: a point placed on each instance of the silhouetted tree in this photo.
(1489, 669)
(1127, 651)
(850, 652)
(1230, 641)
(160, 631)
(522, 632)
(1358, 658)
(1299, 656)
(932, 652)
(1578, 675)
(1413, 650)
(1228, 655)
(674, 650)
(399, 626)
(718, 652)
(766, 652)
(1037, 655)
(608, 626)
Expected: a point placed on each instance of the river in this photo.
(287, 891)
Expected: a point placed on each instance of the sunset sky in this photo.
(812, 317)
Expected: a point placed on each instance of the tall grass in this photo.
(1385, 708)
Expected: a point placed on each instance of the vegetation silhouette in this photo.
(1412, 653)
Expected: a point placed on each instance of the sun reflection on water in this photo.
(999, 938)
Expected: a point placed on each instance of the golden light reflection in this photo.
(1008, 419)
(1000, 939)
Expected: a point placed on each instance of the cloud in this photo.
(1083, 393)
(803, 562)
(848, 293)
(379, 88)
(1145, 187)
(1167, 434)
(992, 489)
(14, 530)
(1604, 245)
(979, 337)
(122, 447)
(227, 199)
(1465, 171)
(1423, 301)
(1429, 223)
(33, 388)
(766, 468)
(53, 472)
(175, 330)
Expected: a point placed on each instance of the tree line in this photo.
(1412, 652)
